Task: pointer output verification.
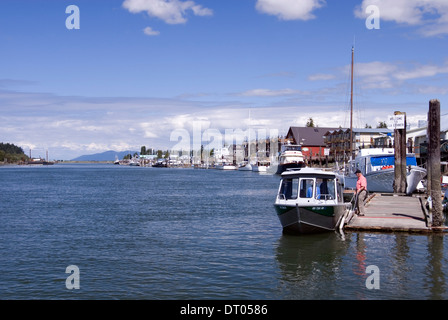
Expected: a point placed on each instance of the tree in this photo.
(11, 153)
(368, 126)
(382, 124)
(310, 123)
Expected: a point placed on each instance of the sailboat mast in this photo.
(351, 105)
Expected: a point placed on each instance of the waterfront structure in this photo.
(311, 139)
(338, 141)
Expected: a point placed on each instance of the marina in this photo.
(224, 159)
(149, 233)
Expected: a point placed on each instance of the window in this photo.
(306, 188)
(289, 188)
(325, 189)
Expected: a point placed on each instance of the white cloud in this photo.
(430, 16)
(321, 76)
(290, 9)
(150, 32)
(423, 71)
(388, 75)
(170, 11)
(271, 93)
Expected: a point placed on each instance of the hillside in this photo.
(104, 156)
(11, 153)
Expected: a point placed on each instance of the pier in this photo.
(394, 213)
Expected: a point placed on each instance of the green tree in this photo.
(310, 123)
(382, 124)
(11, 153)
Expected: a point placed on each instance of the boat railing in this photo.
(325, 197)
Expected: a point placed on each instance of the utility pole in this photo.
(433, 163)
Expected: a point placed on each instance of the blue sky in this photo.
(137, 70)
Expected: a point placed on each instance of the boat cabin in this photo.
(369, 160)
(291, 147)
(310, 186)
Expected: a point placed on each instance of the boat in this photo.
(226, 167)
(134, 162)
(291, 157)
(160, 163)
(245, 167)
(378, 166)
(310, 200)
(261, 167)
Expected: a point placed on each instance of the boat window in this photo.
(306, 188)
(325, 189)
(289, 188)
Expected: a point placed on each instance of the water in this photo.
(157, 233)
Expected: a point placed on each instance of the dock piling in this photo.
(433, 163)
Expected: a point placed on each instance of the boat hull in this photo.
(260, 168)
(226, 167)
(246, 167)
(382, 180)
(310, 219)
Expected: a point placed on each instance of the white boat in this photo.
(310, 200)
(134, 162)
(260, 167)
(378, 166)
(226, 167)
(291, 157)
(245, 167)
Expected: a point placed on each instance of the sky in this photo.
(155, 73)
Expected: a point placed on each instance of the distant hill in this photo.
(104, 156)
(11, 153)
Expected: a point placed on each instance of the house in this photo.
(339, 141)
(418, 140)
(311, 139)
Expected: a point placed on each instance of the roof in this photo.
(309, 136)
(308, 171)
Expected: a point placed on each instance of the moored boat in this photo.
(245, 167)
(378, 166)
(226, 167)
(310, 200)
(291, 157)
(261, 166)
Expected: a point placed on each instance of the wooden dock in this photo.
(394, 213)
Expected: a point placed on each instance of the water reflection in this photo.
(327, 266)
(436, 280)
(310, 265)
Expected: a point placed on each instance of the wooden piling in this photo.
(433, 163)
(400, 157)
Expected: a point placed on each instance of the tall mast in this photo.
(351, 105)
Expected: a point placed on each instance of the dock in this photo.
(394, 213)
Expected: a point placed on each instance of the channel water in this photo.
(171, 234)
